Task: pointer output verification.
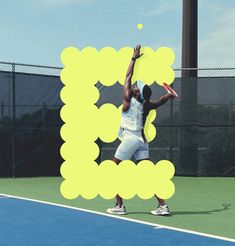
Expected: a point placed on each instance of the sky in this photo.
(36, 31)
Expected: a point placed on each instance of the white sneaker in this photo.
(161, 210)
(117, 210)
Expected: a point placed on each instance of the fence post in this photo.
(171, 130)
(2, 110)
(43, 115)
(13, 119)
(230, 112)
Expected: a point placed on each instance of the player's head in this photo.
(135, 91)
(145, 91)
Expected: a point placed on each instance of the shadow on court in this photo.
(225, 206)
(138, 213)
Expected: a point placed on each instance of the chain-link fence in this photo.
(29, 120)
(196, 131)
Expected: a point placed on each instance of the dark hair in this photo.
(147, 93)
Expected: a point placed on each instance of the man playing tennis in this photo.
(136, 106)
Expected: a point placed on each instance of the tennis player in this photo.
(136, 106)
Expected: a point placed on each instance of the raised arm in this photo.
(129, 74)
(160, 101)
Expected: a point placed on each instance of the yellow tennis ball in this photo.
(140, 26)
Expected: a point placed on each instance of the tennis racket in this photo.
(170, 90)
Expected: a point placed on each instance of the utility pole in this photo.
(188, 133)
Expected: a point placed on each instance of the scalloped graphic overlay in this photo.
(84, 123)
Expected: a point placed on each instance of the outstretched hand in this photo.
(137, 54)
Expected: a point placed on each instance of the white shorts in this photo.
(130, 146)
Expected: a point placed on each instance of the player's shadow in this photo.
(225, 206)
(137, 213)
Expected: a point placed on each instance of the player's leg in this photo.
(119, 201)
(124, 151)
(143, 154)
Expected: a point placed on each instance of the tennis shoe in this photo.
(117, 210)
(161, 210)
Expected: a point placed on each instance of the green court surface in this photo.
(204, 205)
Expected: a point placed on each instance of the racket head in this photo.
(170, 90)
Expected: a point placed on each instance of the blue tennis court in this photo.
(28, 222)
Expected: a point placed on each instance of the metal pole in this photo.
(13, 119)
(188, 135)
(230, 112)
(171, 130)
(190, 38)
(2, 113)
(43, 115)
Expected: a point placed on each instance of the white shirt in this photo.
(132, 120)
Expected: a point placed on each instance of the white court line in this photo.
(123, 218)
